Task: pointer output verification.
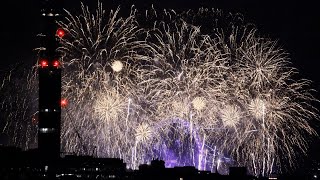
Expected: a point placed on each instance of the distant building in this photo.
(18, 164)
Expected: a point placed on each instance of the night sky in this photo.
(296, 26)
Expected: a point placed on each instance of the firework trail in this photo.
(198, 88)
(19, 106)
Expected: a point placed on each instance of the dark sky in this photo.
(296, 24)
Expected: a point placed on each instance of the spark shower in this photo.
(200, 88)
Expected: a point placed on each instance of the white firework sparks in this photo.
(178, 90)
(199, 103)
(143, 133)
(117, 66)
(109, 104)
(230, 116)
(257, 108)
(180, 108)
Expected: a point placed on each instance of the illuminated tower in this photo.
(49, 71)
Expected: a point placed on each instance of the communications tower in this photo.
(49, 71)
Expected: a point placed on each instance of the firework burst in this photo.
(193, 88)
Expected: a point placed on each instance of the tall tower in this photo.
(49, 71)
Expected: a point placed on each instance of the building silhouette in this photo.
(18, 164)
